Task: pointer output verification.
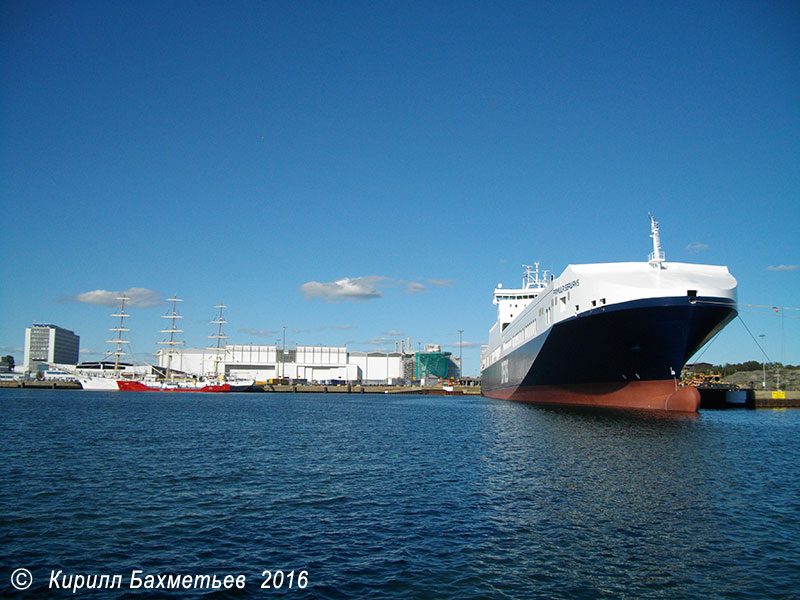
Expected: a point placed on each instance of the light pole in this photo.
(764, 365)
(283, 358)
(460, 353)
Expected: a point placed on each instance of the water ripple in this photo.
(400, 497)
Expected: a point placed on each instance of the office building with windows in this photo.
(49, 344)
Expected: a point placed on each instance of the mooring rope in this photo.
(754, 338)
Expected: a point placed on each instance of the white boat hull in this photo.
(105, 384)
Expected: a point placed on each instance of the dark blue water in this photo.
(398, 496)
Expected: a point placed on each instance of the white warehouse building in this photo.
(262, 363)
(309, 363)
(378, 366)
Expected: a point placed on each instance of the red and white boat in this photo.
(104, 377)
(126, 379)
(155, 385)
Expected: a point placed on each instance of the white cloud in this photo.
(141, 297)
(466, 345)
(412, 287)
(441, 282)
(393, 332)
(348, 288)
(783, 268)
(340, 327)
(258, 332)
(364, 288)
(471, 344)
(696, 247)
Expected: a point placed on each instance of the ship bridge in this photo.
(511, 302)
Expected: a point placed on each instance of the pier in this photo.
(789, 399)
(457, 390)
(721, 398)
(711, 399)
(42, 385)
(293, 388)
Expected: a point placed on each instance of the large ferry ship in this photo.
(610, 334)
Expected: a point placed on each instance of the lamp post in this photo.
(763, 365)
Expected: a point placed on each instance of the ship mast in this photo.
(219, 336)
(119, 329)
(171, 331)
(657, 257)
(531, 277)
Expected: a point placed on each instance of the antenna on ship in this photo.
(530, 278)
(657, 256)
(219, 336)
(171, 331)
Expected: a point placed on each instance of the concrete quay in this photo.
(42, 385)
(371, 389)
(287, 388)
(722, 398)
(789, 399)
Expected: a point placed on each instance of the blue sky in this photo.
(257, 153)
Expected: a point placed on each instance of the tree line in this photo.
(750, 365)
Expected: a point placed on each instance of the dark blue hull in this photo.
(641, 341)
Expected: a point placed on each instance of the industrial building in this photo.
(311, 363)
(47, 344)
(263, 363)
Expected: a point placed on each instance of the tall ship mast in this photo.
(606, 334)
(104, 380)
(219, 352)
(129, 380)
(171, 342)
(167, 383)
(120, 330)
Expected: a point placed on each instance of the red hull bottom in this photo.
(651, 395)
(137, 386)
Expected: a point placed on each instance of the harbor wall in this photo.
(721, 398)
(373, 389)
(42, 385)
(754, 399)
(761, 399)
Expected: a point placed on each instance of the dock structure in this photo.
(41, 385)
(755, 399)
(722, 398)
(789, 399)
(301, 388)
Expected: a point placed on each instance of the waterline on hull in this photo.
(654, 395)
